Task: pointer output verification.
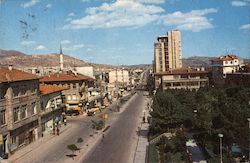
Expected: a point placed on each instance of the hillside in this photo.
(197, 61)
(20, 59)
(9, 53)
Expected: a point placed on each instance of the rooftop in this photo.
(48, 89)
(65, 77)
(9, 74)
(226, 58)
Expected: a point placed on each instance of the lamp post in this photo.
(220, 136)
(248, 119)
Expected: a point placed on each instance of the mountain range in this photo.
(19, 59)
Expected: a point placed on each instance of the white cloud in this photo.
(30, 3)
(121, 13)
(40, 47)
(48, 5)
(194, 20)
(65, 42)
(74, 47)
(28, 43)
(245, 27)
(71, 14)
(240, 3)
(68, 19)
(152, 1)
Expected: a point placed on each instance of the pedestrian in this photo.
(65, 121)
(57, 131)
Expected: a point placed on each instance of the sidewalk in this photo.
(142, 143)
(28, 148)
(141, 150)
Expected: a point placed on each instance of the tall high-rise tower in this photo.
(167, 52)
(61, 58)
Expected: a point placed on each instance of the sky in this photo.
(123, 32)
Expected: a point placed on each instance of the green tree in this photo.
(167, 112)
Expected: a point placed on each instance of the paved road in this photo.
(55, 150)
(120, 140)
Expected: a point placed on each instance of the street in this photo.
(118, 145)
(120, 141)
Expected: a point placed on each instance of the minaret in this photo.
(61, 58)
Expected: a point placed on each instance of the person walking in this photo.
(65, 121)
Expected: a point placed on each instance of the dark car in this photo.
(72, 112)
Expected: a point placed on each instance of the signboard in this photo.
(1, 139)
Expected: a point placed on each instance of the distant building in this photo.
(222, 66)
(19, 109)
(51, 107)
(87, 70)
(119, 76)
(167, 52)
(182, 78)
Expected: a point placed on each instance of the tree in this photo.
(167, 112)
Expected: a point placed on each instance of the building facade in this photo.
(167, 52)
(119, 76)
(19, 109)
(222, 66)
(183, 78)
(51, 107)
(76, 95)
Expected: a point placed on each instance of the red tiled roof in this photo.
(226, 58)
(12, 75)
(65, 77)
(181, 71)
(48, 89)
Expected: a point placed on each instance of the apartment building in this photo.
(183, 78)
(19, 108)
(119, 76)
(222, 66)
(167, 52)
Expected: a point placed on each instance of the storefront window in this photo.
(2, 117)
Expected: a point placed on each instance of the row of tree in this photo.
(209, 111)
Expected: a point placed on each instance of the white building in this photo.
(88, 71)
(119, 76)
(224, 65)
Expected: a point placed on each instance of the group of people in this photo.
(57, 125)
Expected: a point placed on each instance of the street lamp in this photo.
(248, 119)
(220, 136)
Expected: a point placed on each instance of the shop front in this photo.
(23, 135)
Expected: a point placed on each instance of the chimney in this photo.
(10, 67)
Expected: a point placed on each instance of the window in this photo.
(69, 97)
(16, 114)
(33, 108)
(73, 97)
(15, 92)
(23, 112)
(2, 117)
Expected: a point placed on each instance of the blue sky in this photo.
(124, 31)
